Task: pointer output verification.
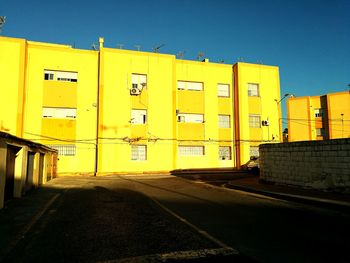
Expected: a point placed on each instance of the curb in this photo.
(327, 203)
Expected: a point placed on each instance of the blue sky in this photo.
(308, 39)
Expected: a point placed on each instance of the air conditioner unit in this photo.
(134, 91)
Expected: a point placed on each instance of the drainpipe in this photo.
(101, 41)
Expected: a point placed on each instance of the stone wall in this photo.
(311, 164)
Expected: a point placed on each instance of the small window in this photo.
(224, 153)
(254, 121)
(224, 121)
(319, 113)
(189, 85)
(191, 150)
(223, 90)
(253, 89)
(59, 113)
(138, 152)
(139, 81)
(320, 132)
(254, 151)
(138, 116)
(48, 75)
(64, 149)
(190, 118)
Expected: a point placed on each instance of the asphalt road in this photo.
(115, 217)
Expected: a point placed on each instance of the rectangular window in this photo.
(224, 121)
(190, 118)
(254, 121)
(319, 113)
(67, 76)
(59, 113)
(189, 85)
(48, 75)
(253, 89)
(223, 90)
(320, 132)
(139, 81)
(64, 149)
(254, 151)
(224, 153)
(138, 152)
(61, 75)
(138, 116)
(191, 150)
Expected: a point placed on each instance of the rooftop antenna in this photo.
(239, 59)
(181, 54)
(138, 47)
(120, 46)
(156, 49)
(221, 60)
(200, 55)
(94, 46)
(2, 22)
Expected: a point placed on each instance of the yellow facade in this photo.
(319, 117)
(116, 110)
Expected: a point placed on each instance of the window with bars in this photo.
(253, 89)
(64, 149)
(254, 151)
(138, 152)
(224, 121)
(189, 85)
(224, 153)
(254, 121)
(223, 90)
(191, 150)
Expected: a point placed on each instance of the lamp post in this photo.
(278, 102)
(342, 124)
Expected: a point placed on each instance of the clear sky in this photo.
(308, 39)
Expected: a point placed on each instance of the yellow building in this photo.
(113, 110)
(319, 117)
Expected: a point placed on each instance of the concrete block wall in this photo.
(311, 164)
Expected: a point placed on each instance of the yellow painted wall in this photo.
(302, 123)
(109, 74)
(266, 105)
(299, 119)
(339, 103)
(12, 59)
(208, 103)
(81, 95)
(116, 104)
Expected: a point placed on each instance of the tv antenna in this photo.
(120, 46)
(200, 55)
(181, 54)
(138, 47)
(2, 22)
(221, 60)
(156, 49)
(94, 46)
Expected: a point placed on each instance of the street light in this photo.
(280, 114)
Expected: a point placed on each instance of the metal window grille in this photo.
(224, 153)
(224, 121)
(253, 89)
(223, 90)
(191, 150)
(254, 151)
(64, 149)
(138, 152)
(254, 121)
